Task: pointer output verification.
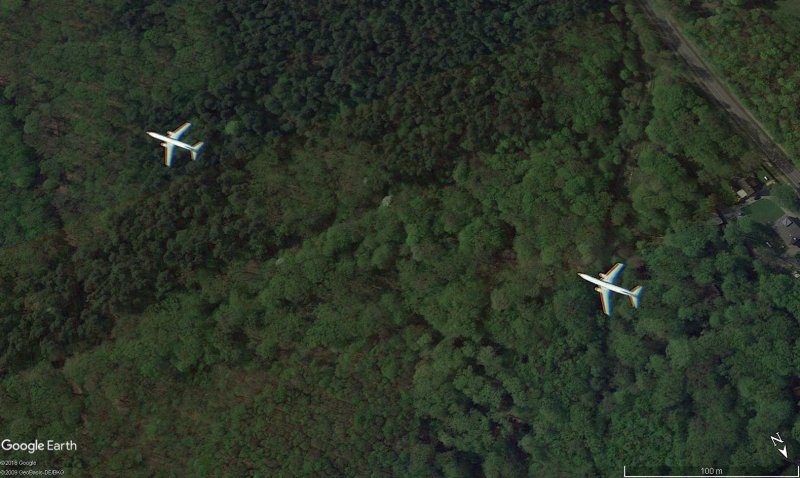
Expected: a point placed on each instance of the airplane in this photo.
(606, 287)
(171, 140)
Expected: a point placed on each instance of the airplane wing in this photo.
(178, 132)
(605, 298)
(612, 273)
(168, 147)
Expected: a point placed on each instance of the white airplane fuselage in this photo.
(167, 139)
(606, 285)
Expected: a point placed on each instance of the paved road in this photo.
(777, 157)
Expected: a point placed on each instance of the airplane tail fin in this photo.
(196, 149)
(636, 291)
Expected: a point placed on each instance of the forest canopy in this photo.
(371, 269)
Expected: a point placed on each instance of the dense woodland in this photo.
(371, 270)
(756, 45)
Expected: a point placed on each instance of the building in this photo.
(788, 228)
(718, 219)
(746, 187)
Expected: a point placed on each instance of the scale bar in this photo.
(626, 475)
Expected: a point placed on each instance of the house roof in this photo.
(788, 229)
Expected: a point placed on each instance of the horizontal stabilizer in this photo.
(196, 149)
(636, 291)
